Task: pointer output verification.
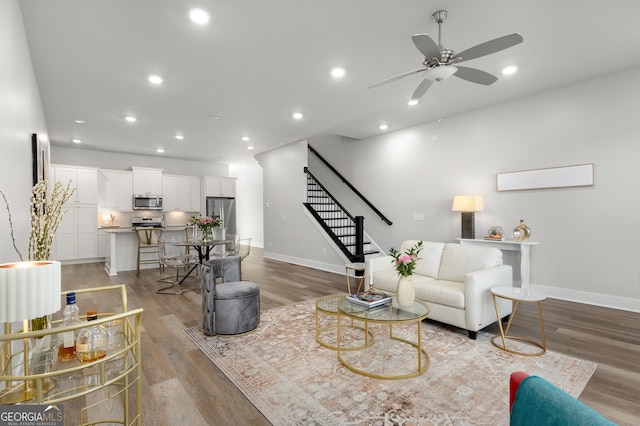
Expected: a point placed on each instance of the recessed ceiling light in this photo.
(246, 138)
(511, 69)
(160, 150)
(250, 147)
(179, 137)
(79, 121)
(297, 115)
(130, 118)
(338, 72)
(76, 141)
(199, 16)
(413, 102)
(155, 79)
(383, 126)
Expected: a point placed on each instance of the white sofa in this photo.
(453, 279)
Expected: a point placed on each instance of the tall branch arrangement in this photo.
(46, 215)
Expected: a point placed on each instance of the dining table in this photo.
(203, 247)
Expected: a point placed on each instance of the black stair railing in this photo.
(345, 230)
(350, 186)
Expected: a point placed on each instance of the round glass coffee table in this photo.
(407, 358)
(328, 305)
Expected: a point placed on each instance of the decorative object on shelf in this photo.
(521, 232)
(206, 225)
(27, 290)
(495, 233)
(405, 263)
(92, 342)
(467, 205)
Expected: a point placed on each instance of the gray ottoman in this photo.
(232, 306)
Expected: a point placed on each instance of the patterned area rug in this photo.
(293, 380)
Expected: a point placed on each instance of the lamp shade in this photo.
(29, 290)
(467, 203)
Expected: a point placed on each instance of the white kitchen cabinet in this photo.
(195, 198)
(115, 190)
(219, 186)
(181, 193)
(77, 235)
(147, 181)
(83, 179)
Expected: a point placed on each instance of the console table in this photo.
(524, 247)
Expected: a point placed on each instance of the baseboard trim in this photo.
(596, 299)
(588, 298)
(338, 269)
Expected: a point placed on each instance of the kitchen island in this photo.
(122, 248)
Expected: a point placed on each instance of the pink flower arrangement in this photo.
(406, 262)
(207, 223)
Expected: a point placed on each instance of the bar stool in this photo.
(148, 239)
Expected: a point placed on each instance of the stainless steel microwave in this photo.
(147, 202)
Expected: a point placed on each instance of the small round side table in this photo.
(518, 295)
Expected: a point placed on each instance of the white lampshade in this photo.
(467, 203)
(29, 290)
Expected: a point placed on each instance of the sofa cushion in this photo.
(429, 262)
(442, 292)
(458, 260)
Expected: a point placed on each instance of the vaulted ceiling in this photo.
(255, 63)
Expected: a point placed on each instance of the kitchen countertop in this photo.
(122, 229)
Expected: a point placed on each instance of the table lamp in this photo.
(27, 290)
(467, 205)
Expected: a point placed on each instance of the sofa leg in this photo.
(473, 334)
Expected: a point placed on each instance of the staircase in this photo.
(346, 231)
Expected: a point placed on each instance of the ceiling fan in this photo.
(439, 61)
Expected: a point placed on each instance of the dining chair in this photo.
(243, 248)
(175, 257)
(148, 239)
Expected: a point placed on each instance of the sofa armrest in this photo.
(375, 264)
(479, 309)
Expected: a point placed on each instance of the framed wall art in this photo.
(554, 177)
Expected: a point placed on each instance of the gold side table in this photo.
(355, 267)
(518, 295)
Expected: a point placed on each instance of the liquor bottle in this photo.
(67, 349)
(92, 341)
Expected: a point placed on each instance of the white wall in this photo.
(249, 218)
(588, 247)
(121, 161)
(20, 115)
(289, 235)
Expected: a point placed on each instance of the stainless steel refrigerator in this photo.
(225, 208)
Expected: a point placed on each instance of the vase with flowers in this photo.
(405, 263)
(206, 225)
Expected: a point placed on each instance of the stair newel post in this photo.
(359, 238)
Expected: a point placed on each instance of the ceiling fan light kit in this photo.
(438, 63)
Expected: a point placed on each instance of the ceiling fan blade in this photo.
(489, 47)
(421, 89)
(475, 75)
(397, 77)
(426, 46)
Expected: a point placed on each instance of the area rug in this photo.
(293, 380)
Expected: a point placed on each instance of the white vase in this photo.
(405, 293)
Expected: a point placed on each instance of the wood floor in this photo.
(182, 387)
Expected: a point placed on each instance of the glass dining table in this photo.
(203, 248)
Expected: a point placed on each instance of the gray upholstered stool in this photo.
(233, 306)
